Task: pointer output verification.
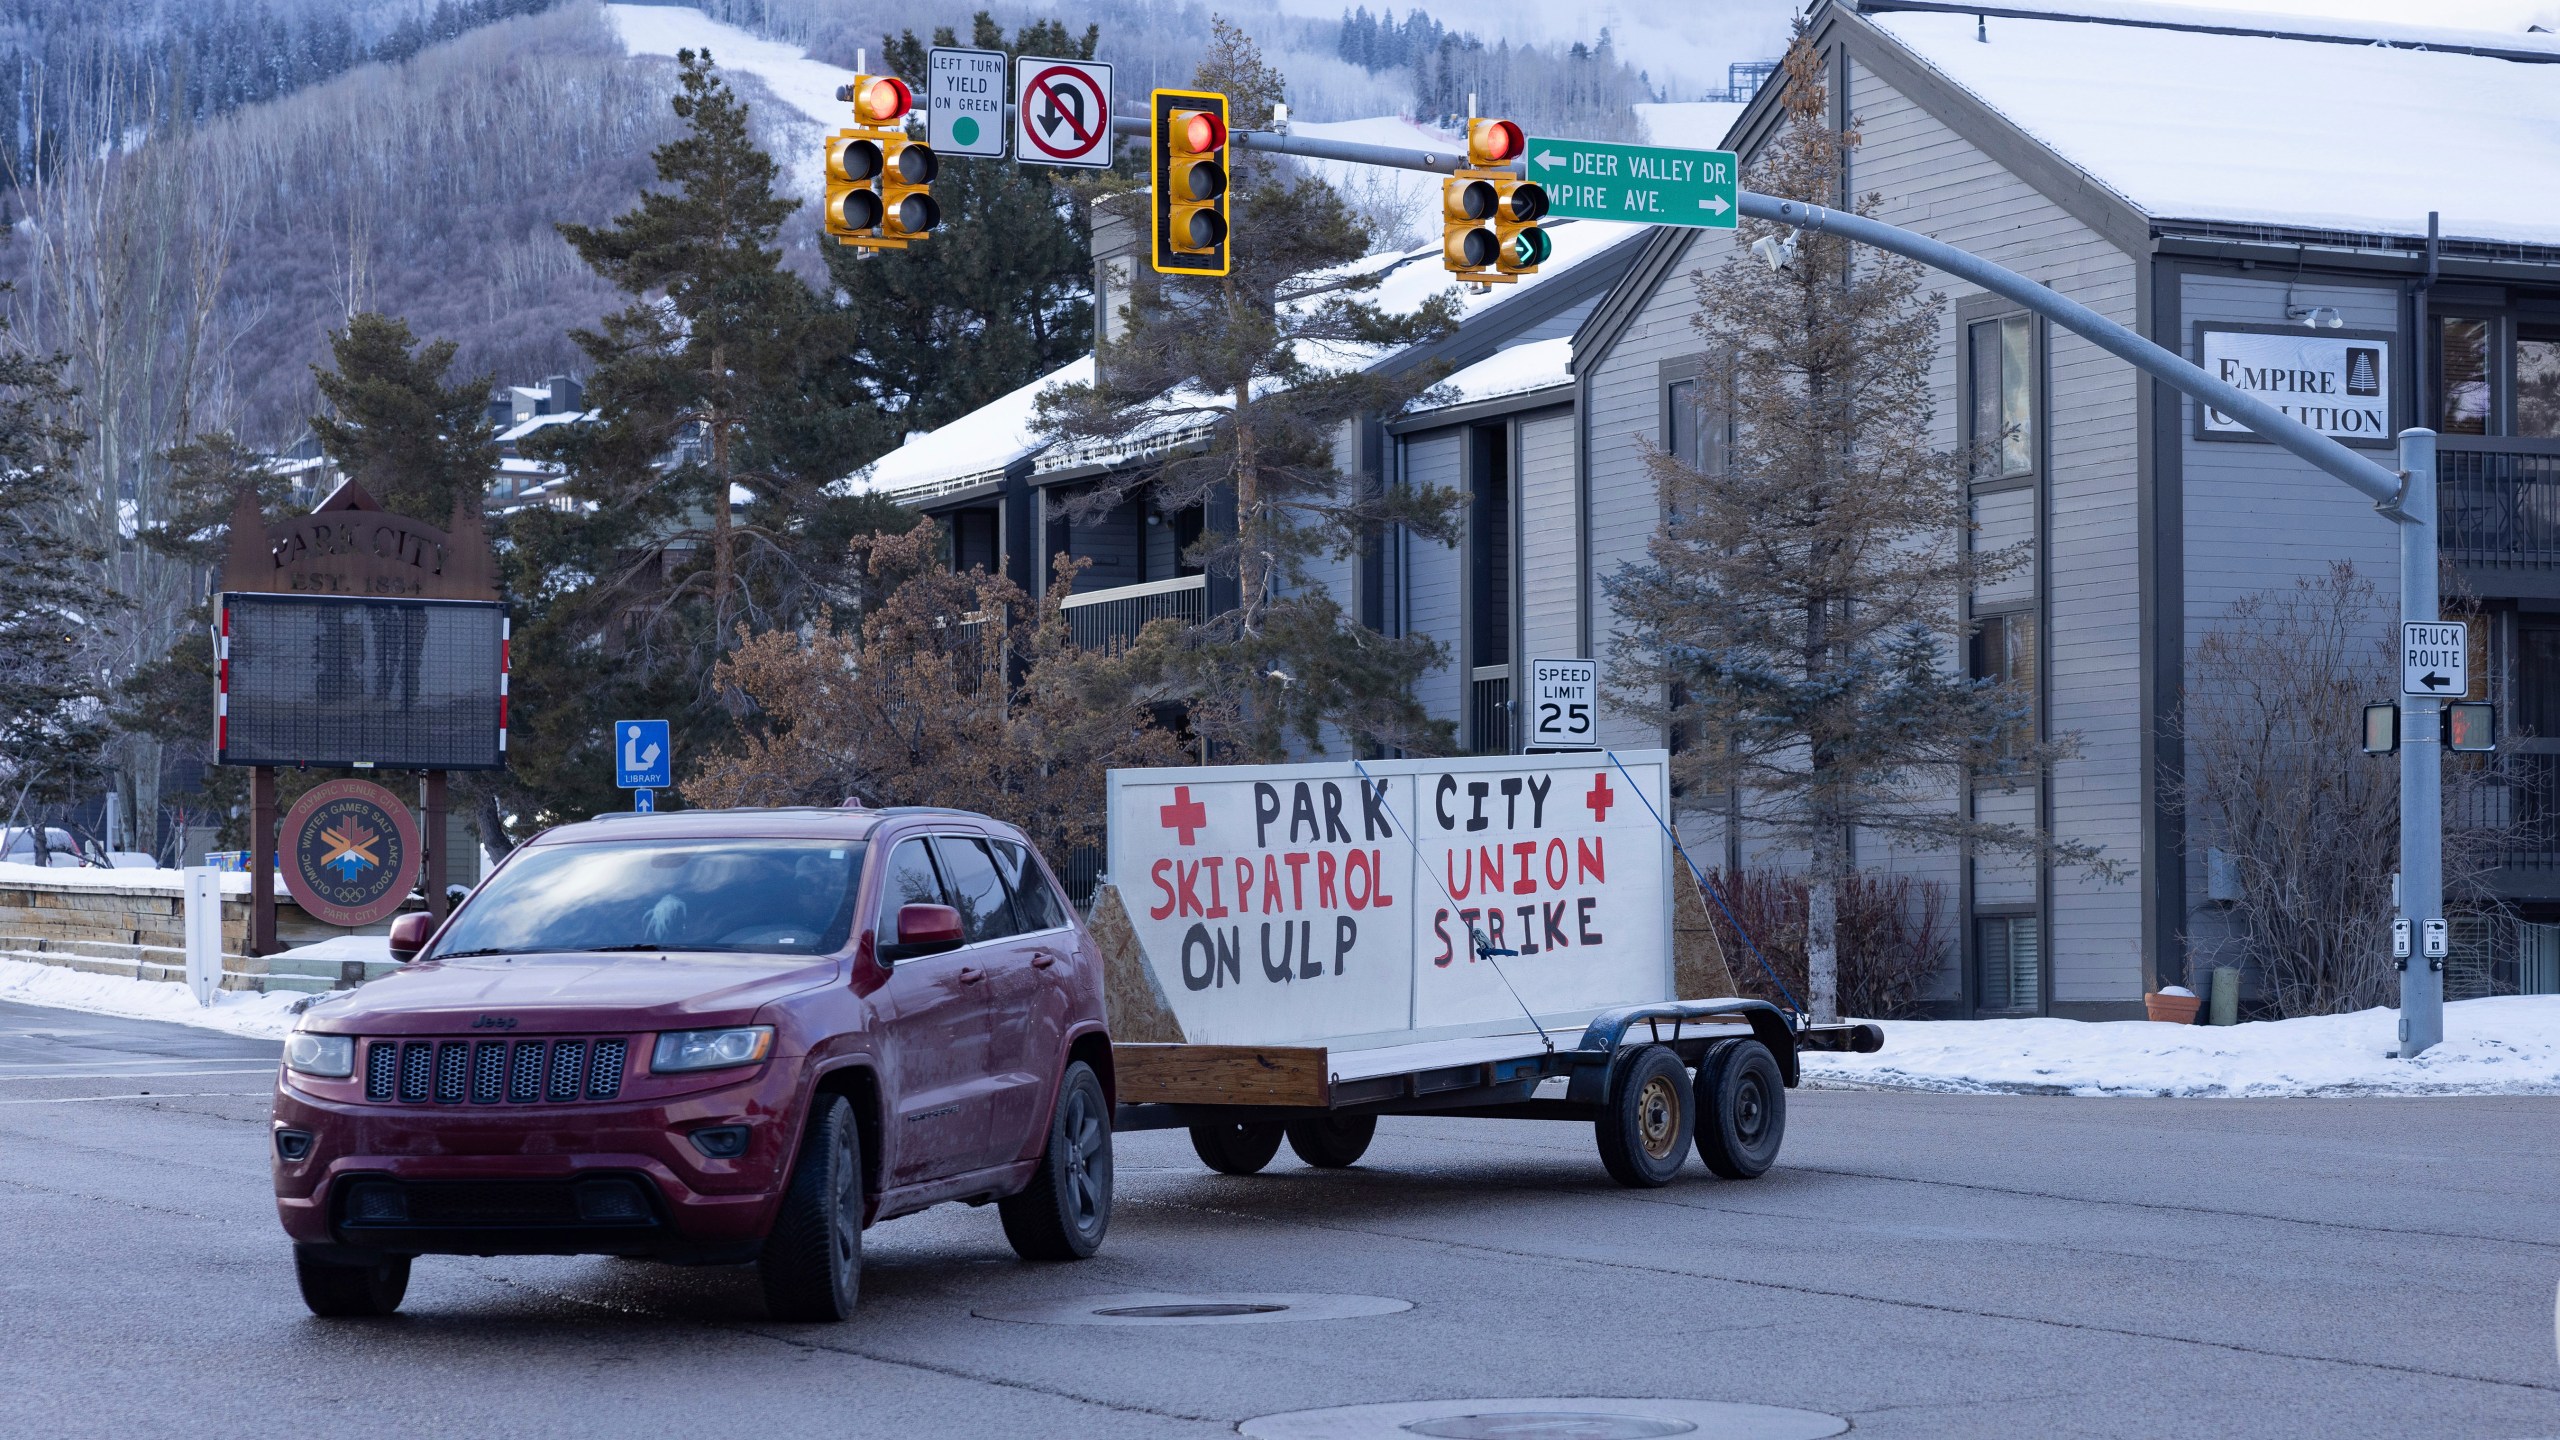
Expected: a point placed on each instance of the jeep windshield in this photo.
(792, 897)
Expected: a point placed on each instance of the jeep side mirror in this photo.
(409, 935)
(923, 930)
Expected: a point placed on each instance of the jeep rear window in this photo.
(791, 897)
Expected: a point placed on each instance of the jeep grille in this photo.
(493, 1072)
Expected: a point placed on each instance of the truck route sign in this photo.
(2435, 658)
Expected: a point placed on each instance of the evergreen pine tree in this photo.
(1270, 355)
(999, 294)
(726, 400)
(1796, 615)
(52, 731)
(415, 443)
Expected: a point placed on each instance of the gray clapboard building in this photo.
(2251, 193)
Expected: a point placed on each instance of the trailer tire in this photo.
(1233, 1147)
(1645, 1126)
(1333, 1142)
(1742, 1109)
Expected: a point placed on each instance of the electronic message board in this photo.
(341, 680)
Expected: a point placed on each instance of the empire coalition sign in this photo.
(2338, 385)
(1285, 903)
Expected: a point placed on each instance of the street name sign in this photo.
(2435, 658)
(1062, 112)
(1643, 184)
(964, 101)
(1564, 696)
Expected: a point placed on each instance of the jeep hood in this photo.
(570, 993)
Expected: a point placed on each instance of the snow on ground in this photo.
(239, 1012)
(806, 85)
(2504, 1046)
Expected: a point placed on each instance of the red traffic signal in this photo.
(1492, 143)
(878, 99)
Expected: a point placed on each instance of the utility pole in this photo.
(2405, 496)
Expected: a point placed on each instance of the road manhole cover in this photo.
(1551, 1425)
(1548, 1418)
(1156, 1309)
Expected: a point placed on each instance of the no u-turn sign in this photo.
(1062, 112)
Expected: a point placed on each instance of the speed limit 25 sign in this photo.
(1564, 701)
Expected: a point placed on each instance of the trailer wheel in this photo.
(1644, 1128)
(1742, 1109)
(1235, 1148)
(1333, 1142)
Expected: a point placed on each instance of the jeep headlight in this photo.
(711, 1049)
(332, 1057)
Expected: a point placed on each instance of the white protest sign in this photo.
(964, 101)
(1292, 903)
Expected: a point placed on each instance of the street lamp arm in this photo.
(2372, 480)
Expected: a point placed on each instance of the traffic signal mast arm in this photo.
(2406, 496)
(2381, 485)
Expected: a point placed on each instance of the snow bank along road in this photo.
(1923, 1264)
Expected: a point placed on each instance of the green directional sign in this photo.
(1644, 184)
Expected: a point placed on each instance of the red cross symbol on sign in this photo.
(1184, 814)
(1600, 798)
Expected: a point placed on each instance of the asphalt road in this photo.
(1921, 1265)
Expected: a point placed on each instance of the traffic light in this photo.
(1524, 247)
(1489, 229)
(879, 182)
(2471, 726)
(1187, 162)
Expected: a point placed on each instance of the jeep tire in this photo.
(812, 1261)
(1063, 1212)
(343, 1289)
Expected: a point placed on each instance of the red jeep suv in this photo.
(708, 1037)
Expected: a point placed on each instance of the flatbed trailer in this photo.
(1651, 1080)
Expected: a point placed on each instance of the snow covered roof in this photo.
(981, 445)
(978, 446)
(523, 428)
(2199, 114)
(1520, 370)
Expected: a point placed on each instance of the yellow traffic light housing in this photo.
(879, 182)
(1519, 206)
(1187, 163)
(1489, 230)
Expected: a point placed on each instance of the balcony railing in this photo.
(1489, 710)
(1099, 618)
(2498, 501)
(2520, 806)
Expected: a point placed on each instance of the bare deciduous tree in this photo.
(2272, 727)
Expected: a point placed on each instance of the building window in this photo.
(2008, 964)
(2004, 649)
(1693, 436)
(2537, 681)
(2538, 381)
(2465, 376)
(1998, 360)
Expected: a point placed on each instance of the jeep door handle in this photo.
(971, 975)
(1042, 959)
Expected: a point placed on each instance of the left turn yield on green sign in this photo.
(1640, 184)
